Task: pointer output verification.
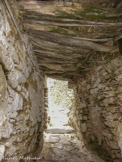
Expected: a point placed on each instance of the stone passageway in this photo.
(78, 43)
(60, 139)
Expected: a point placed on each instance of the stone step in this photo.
(59, 131)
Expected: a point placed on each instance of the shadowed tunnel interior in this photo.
(78, 45)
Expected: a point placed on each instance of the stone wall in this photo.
(97, 116)
(21, 91)
(45, 104)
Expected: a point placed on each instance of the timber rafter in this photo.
(67, 40)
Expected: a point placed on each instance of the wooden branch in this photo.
(69, 41)
(42, 45)
(52, 55)
(73, 24)
(37, 16)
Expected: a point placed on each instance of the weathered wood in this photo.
(102, 40)
(70, 41)
(49, 46)
(67, 47)
(42, 45)
(72, 23)
(52, 55)
(51, 19)
(55, 61)
(58, 67)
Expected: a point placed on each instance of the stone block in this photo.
(2, 151)
(113, 144)
(58, 145)
(83, 127)
(53, 139)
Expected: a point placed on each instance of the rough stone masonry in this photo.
(97, 114)
(21, 91)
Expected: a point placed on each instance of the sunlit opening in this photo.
(60, 99)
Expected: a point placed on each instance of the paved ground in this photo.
(64, 147)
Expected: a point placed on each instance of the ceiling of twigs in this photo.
(69, 38)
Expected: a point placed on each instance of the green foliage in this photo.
(50, 124)
(59, 93)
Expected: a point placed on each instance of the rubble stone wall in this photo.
(97, 116)
(21, 91)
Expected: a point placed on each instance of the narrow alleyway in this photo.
(60, 141)
(77, 115)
